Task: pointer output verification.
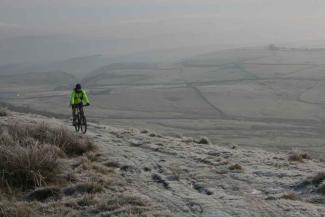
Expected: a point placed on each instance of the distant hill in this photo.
(279, 55)
(225, 65)
(78, 66)
(123, 72)
(39, 78)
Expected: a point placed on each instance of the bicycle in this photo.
(80, 121)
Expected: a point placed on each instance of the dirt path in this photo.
(191, 179)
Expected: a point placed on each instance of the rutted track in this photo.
(191, 179)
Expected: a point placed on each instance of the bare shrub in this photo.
(152, 134)
(298, 156)
(3, 112)
(70, 143)
(311, 182)
(204, 140)
(187, 140)
(291, 196)
(295, 157)
(321, 189)
(318, 179)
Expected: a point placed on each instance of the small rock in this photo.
(146, 169)
(236, 167)
(127, 168)
(136, 143)
(234, 146)
(204, 140)
(113, 164)
(144, 131)
(321, 189)
(158, 179)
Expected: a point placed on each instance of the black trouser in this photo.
(74, 109)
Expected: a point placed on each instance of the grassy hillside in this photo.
(48, 170)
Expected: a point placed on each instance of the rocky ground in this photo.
(137, 172)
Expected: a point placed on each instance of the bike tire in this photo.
(77, 123)
(83, 124)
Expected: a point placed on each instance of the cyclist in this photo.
(78, 98)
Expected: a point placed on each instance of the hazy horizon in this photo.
(45, 30)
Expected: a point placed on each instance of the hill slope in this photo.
(192, 177)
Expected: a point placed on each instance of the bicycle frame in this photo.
(80, 119)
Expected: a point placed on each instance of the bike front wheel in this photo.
(77, 123)
(83, 124)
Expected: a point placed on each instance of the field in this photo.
(253, 97)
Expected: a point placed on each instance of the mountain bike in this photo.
(80, 122)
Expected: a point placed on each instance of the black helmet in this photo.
(78, 86)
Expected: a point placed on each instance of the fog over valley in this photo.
(162, 108)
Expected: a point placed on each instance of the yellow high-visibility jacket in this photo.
(78, 97)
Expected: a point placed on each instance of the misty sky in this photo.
(166, 23)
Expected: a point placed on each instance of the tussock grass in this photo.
(112, 164)
(9, 209)
(87, 200)
(124, 203)
(43, 194)
(121, 205)
(89, 188)
(62, 210)
(176, 170)
(28, 166)
(68, 142)
(29, 154)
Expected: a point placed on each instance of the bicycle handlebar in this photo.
(83, 105)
